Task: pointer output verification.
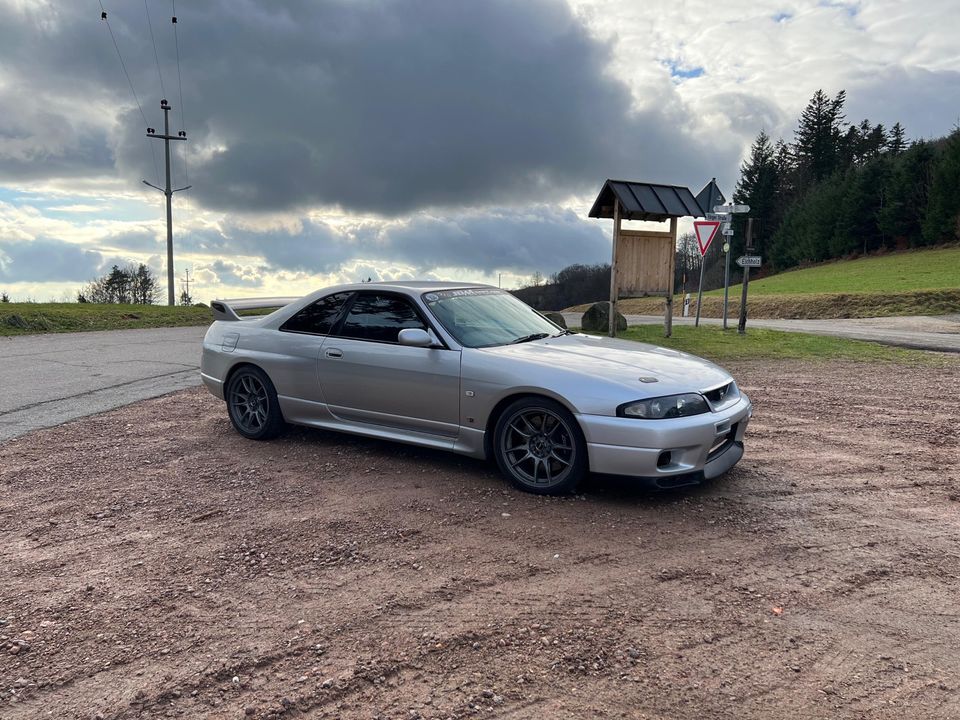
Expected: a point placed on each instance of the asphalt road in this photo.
(940, 333)
(49, 379)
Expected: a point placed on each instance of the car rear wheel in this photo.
(252, 404)
(539, 446)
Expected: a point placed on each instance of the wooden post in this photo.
(668, 318)
(614, 280)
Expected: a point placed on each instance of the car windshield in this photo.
(482, 317)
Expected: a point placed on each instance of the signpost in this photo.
(728, 210)
(705, 231)
(746, 262)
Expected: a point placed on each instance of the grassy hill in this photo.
(30, 318)
(891, 273)
(917, 282)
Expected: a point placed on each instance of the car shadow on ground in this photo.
(607, 489)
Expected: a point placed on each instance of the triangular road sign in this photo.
(705, 230)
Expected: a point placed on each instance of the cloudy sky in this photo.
(334, 140)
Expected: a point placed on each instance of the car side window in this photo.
(317, 318)
(378, 317)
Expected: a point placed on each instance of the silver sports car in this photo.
(472, 369)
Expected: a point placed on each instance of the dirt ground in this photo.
(155, 564)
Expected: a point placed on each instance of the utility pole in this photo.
(186, 281)
(168, 191)
(742, 325)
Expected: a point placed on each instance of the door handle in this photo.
(333, 353)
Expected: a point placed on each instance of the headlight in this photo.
(672, 406)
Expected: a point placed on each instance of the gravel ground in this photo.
(155, 564)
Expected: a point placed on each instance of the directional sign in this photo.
(718, 217)
(727, 231)
(749, 261)
(732, 208)
(705, 230)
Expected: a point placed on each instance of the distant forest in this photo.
(838, 190)
(842, 189)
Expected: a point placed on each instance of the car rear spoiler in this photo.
(227, 309)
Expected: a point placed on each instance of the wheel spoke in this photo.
(528, 456)
(559, 459)
(546, 468)
(519, 432)
(526, 421)
(536, 467)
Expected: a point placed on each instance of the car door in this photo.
(367, 376)
(295, 351)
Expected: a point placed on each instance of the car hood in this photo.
(622, 362)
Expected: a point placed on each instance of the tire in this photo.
(539, 447)
(252, 404)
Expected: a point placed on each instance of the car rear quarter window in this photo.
(317, 318)
(379, 318)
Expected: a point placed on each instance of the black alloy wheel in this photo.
(539, 446)
(252, 404)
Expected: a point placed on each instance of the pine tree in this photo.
(942, 220)
(876, 142)
(862, 199)
(143, 285)
(817, 143)
(906, 195)
(117, 285)
(897, 142)
(758, 187)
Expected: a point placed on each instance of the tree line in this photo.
(129, 285)
(840, 189)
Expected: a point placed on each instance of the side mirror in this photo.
(415, 337)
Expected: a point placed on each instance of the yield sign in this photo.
(705, 230)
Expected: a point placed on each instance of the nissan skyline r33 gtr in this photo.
(471, 369)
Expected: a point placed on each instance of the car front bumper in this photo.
(671, 453)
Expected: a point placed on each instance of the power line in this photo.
(156, 56)
(153, 153)
(183, 123)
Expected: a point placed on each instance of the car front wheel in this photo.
(539, 446)
(252, 404)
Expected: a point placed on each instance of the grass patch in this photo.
(916, 282)
(895, 273)
(32, 318)
(718, 345)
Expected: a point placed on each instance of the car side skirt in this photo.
(318, 415)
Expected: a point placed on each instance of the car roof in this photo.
(414, 285)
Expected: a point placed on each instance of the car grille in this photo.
(722, 442)
(721, 396)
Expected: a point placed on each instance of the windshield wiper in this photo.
(528, 338)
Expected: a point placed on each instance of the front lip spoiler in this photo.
(713, 469)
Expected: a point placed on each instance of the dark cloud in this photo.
(46, 259)
(543, 238)
(365, 104)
